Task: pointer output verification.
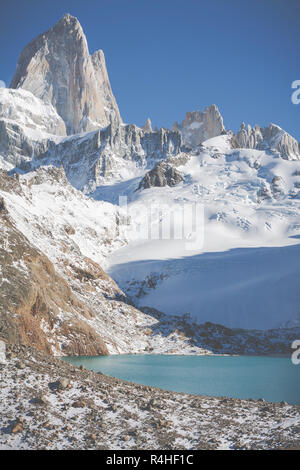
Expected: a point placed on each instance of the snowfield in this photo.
(246, 272)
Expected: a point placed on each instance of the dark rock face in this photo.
(163, 174)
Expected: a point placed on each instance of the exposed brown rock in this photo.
(32, 297)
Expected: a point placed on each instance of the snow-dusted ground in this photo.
(246, 271)
(99, 412)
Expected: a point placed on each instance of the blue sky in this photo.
(166, 57)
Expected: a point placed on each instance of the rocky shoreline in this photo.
(47, 403)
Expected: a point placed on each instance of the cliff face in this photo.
(57, 67)
(104, 90)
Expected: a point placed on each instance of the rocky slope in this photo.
(57, 68)
(49, 404)
(37, 305)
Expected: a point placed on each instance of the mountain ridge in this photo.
(68, 158)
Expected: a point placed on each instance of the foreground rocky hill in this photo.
(49, 404)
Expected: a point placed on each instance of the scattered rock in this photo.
(79, 403)
(69, 230)
(17, 426)
(64, 382)
(242, 420)
(20, 365)
(40, 400)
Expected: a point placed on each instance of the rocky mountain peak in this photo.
(272, 138)
(57, 68)
(68, 19)
(199, 126)
(147, 126)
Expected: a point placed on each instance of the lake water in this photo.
(272, 378)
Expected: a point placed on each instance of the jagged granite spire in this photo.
(199, 126)
(57, 67)
(272, 138)
(147, 126)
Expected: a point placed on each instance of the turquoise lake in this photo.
(272, 378)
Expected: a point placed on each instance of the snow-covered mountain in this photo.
(245, 274)
(67, 157)
(57, 67)
(271, 138)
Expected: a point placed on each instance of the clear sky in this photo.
(166, 57)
